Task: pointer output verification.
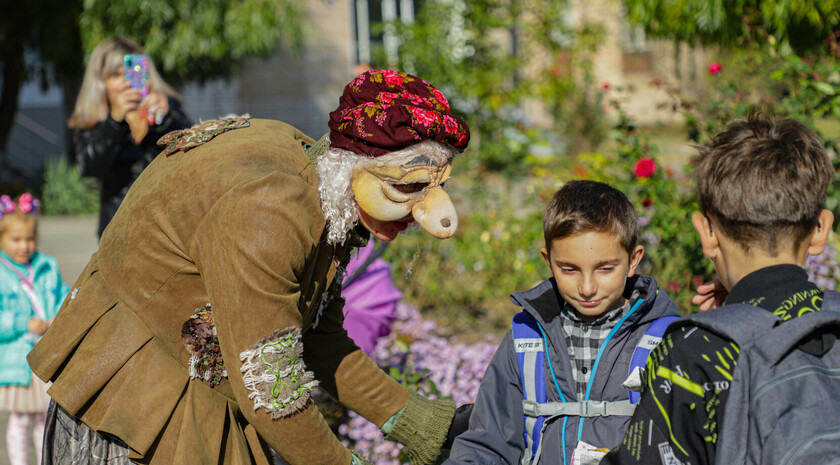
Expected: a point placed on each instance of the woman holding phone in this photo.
(116, 124)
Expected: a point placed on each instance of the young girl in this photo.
(31, 291)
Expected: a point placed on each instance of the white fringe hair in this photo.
(335, 173)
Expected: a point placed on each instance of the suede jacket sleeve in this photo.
(347, 374)
(251, 250)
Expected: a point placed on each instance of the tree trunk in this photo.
(13, 72)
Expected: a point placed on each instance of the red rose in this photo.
(645, 167)
(715, 67)
(647, 202)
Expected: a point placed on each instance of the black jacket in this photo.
(107, 152)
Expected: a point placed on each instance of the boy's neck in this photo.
(735, 263)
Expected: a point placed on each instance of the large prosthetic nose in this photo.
(436, 213)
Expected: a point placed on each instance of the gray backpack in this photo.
(784, 404)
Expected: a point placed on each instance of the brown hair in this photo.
(590, 206)
(763, 180)
(107, 60)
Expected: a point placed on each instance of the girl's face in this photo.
(19, 241)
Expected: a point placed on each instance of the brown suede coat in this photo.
(236, 222)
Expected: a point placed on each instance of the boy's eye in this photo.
(567, 270)
(607, 269)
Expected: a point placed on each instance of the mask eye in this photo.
(411, 188)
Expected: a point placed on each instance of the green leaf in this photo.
(825, 88)
(402, 345)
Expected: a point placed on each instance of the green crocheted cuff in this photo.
(358, 459)
(422, 427)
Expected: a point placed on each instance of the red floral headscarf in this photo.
(382, 111)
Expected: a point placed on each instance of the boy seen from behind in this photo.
(557, 386)
(720, 388)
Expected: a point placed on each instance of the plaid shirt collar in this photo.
(584, 339)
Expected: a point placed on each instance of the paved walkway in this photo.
(71, 240)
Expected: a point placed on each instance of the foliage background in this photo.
(772, 55)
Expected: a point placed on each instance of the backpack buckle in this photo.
(595, 408)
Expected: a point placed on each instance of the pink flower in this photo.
(6, 204)
(449, 124)
(715, 67)
(645, 167)
(24, 206)
(424, 117)
(414, 99)
(387, 97)
(392, 78)
(441, 99)
(606, 86)
(462, 139)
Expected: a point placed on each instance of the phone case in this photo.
(136, 69)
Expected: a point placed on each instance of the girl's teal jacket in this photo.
(16, 310)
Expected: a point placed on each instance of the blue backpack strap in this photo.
(530, 356)
(649, 341)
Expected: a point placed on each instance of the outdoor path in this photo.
(71, 240)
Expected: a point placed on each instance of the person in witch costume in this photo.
(212, 307)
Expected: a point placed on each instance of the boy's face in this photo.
(591, 270)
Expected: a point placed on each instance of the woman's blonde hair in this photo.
(107, 60)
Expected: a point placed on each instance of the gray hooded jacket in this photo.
(495, 435)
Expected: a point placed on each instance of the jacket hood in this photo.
(543, 301)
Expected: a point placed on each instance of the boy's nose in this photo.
(587, 287)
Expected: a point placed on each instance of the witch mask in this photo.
(409, 181)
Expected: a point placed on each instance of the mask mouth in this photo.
(436, 214)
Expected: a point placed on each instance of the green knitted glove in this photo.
(421, 426)
(358, 459)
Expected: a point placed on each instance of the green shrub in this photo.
(66, 192)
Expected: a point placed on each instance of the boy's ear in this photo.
(545, 256)
(635, 259)
(821, 231)
(708, 238)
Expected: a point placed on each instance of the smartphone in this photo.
(136, 68)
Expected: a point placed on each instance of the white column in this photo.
(363, 30)
(389, 37)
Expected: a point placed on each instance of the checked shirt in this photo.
(583, 339)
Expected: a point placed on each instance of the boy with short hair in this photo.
(762, 185)
(558, 382)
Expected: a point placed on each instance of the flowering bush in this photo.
(418, 356)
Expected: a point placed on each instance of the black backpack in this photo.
(784, 403)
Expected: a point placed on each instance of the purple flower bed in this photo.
(435, 365)
(824, 269)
